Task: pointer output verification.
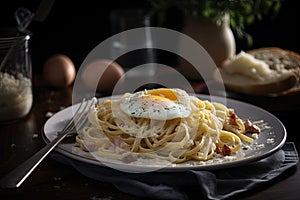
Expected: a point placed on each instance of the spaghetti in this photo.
(210, 129)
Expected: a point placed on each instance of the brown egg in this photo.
(102, 74)
(59, 71)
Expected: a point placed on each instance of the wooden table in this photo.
(53, 180)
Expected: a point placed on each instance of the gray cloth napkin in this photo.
(193, 184)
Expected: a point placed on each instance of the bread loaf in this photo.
(263, 71)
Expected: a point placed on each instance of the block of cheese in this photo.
(264, 71)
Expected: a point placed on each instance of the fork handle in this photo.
(17, 176)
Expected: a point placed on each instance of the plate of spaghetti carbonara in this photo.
(167, 129)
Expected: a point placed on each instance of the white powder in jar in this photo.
(15, 96)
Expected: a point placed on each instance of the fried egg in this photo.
(157, 104)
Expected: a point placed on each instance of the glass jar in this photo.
(15, 75)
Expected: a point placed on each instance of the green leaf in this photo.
(241, 12)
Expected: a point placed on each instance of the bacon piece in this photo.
(250, 127)
(88, 146)
(232, 117)
(226, 151)
(129, 158)
(218, 150)
(119, 143)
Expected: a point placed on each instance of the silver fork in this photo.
(16, 177)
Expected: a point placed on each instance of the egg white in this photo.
(157, 104)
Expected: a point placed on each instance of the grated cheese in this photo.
(15, 96)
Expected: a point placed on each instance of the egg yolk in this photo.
(163, 94)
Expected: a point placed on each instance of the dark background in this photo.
(74, 28)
